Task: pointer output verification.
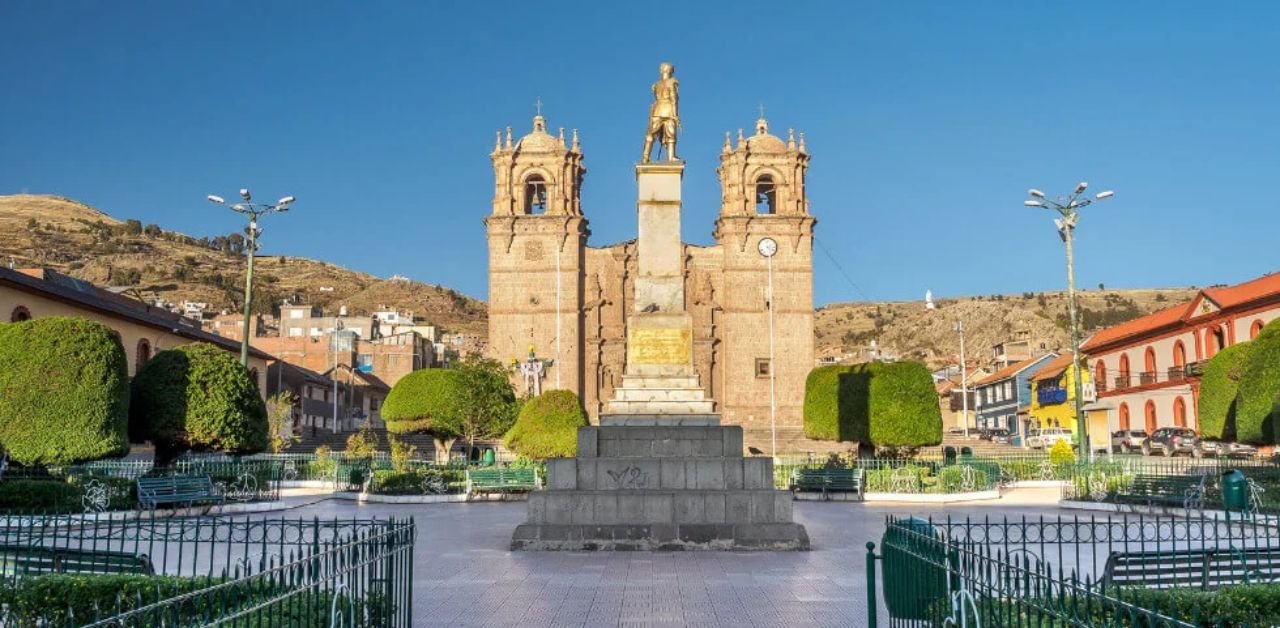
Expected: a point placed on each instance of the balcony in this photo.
(1123, 382)
(1049, 396)
(1146, 378)
(1177, 373)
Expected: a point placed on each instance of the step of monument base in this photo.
(667, 473)
(680, 407)
(659, 394)
(643, 420)
(659, 381)
(642, 506)
(660, 537)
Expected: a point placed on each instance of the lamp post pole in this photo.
(768, 247)
(1068, 207)
(337, 327)
(964, 381)
(253, 211)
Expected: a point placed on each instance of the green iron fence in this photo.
(1073, 572)
(108, 570)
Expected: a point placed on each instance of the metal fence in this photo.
(117, 571)
(1069, 572)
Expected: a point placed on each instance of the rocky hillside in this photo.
(79, 240)
(907, 330)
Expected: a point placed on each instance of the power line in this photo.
(840, 268)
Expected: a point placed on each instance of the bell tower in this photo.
(768, 298)
(537, 237)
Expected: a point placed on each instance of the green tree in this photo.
(1219, 387)
(362, 444)
(197, 396)
(426, 401)
(548, 426)
(133, 227)
(280, 421)
(885, 405)
(64, 391)
(1258, 406)
(485, 399)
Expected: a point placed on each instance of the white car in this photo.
(1045, 438)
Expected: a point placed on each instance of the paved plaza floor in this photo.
(465, 576)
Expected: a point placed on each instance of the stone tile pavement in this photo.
(465, 576)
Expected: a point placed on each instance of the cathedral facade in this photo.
(554, 297)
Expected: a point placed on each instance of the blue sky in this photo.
(927, 122)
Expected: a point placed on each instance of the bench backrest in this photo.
(524, 475)
(36, 560)
(1204, 569)
(176, 485)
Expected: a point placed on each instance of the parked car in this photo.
(999, 436)
(1128, 440)
(1045, 438)
(1170, 441)
(956, 431)
(1223, 449)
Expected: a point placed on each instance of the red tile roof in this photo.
(1053, 368)
(1007, 371)
(1224, 298)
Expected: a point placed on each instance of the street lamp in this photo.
(253, 211)
(964, 380)
(337, 329)
(1069, 207)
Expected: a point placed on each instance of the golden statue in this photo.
(664, 117)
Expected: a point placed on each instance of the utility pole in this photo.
(337, 328)
(1068, 207)
(253, 211)
(964, 380)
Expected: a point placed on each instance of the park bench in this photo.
(1206, 569)
(353, 472)
(31, 560)
(492, 480)
(1185, 491)
(177, 490)
(827, 481)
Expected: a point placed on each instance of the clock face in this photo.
(768, 247)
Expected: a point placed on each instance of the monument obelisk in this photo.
(660, 472)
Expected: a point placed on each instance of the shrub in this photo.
(402, 454)
(324, 463)
(952, 479)
(280, 421)
(1258, 403)
(197, 396)
(64, 391)
(886, 405)
(362, 444)
(548, 426)
(1061, 454)
(39, 496)
(1218, 389)
(396, 483)
(426, 401)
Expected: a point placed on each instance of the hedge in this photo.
(1258, 403)
(47, 496)
(424, 401)
(64, 391)
(197, 396)
(548, 426)
(1218, 389)
(893, 404)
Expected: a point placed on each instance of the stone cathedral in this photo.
(591, 313)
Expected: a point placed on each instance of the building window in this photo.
(1124, 372)
(1255, 329)
(1150, 412)
(762, 367)
(1149, 366)
(1100, 374)
(1215, 341)
(295, 332)
(1124, 416)
(766, 195)
(20, 314)
(535, 195)
(1179, 354)
(1179, 412)
(143, 354)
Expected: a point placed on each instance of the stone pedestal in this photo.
(664, 487)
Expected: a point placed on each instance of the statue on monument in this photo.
(664, 117)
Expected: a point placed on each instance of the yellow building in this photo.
(1053, 394)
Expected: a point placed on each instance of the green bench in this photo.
(492, 480)
(827, 481)
(177, 490)
(22, 560)
(1205, 569)
(1185, 491)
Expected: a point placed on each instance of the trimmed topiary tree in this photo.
(1258, 402)
(427, 402)
(64, 391)
(197, 396)
(548, 426)
(1219, 386)
(885, 405)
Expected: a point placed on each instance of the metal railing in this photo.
(1064, 571)
(207, 571)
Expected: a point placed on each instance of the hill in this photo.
(907, 330)
(84, 242)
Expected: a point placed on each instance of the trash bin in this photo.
(915, 568)
(1235, 490)
(965, 452)
(488, 458)
(949, 454)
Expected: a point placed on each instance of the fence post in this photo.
(871, 585)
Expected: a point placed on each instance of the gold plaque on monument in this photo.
(660, 345)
